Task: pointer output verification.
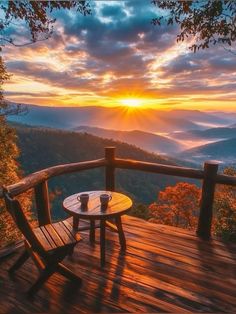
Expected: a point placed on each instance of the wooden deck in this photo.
(165, 269)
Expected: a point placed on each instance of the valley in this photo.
(182, 134)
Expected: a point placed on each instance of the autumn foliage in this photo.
(225, 209)
(177, 206)
(9, 169)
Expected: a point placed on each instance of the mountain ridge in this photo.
(120, 118)
(145, 140)
(211, 133)
(224, 151)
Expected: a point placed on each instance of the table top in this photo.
(118, 205)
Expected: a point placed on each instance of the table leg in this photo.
(120, 233)
(92, 231)
(75, 223)
(102, 241)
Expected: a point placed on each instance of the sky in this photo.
(117, 57)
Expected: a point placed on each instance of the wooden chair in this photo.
(47, 245)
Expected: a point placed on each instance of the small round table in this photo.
(117, 207)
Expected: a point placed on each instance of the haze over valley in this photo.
(190, 135)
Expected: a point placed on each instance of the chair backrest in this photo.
(14, 208)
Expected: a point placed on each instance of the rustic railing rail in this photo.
(159, 168)
(43, 175)
(209, 177)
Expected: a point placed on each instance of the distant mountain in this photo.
(41, 148)
(148, 141)
(231, 116)
(203, 118)
(212, 133)
(119, 118)
(224, 151)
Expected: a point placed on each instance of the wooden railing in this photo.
(209, 177)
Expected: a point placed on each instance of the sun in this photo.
(131, 102)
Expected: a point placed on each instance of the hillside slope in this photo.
(224, 151)
(41, 148)
(145, 140)
(202, 117)
(212, 133)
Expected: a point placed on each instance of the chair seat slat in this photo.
(70, 235)
(63, 234)
(42, 239)
(54, 235)
(74, 233)
(48, 237)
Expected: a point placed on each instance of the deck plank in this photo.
(164, 270)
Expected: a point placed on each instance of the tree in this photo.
(36, 15)
(225, 209)
(9, 169)
(208, 22)
(177, 206)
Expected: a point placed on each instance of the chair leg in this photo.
(19, 262)
(45, 274)
(71, 250)
(63, 270)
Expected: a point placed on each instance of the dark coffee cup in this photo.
(105, 199)
(83, 198)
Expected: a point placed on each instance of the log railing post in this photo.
(42, 203)
(207, 199)
(110, 169)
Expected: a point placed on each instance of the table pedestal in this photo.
(117, 227)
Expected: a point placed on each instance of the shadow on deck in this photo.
(165, 269)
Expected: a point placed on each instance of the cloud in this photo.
(118, 51)
(115, 11)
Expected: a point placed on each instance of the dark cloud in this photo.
(116, 35)
(211, 61)
(41, 73)
(113, 12)
(224, 64)
(26, 93)
(203, 72)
